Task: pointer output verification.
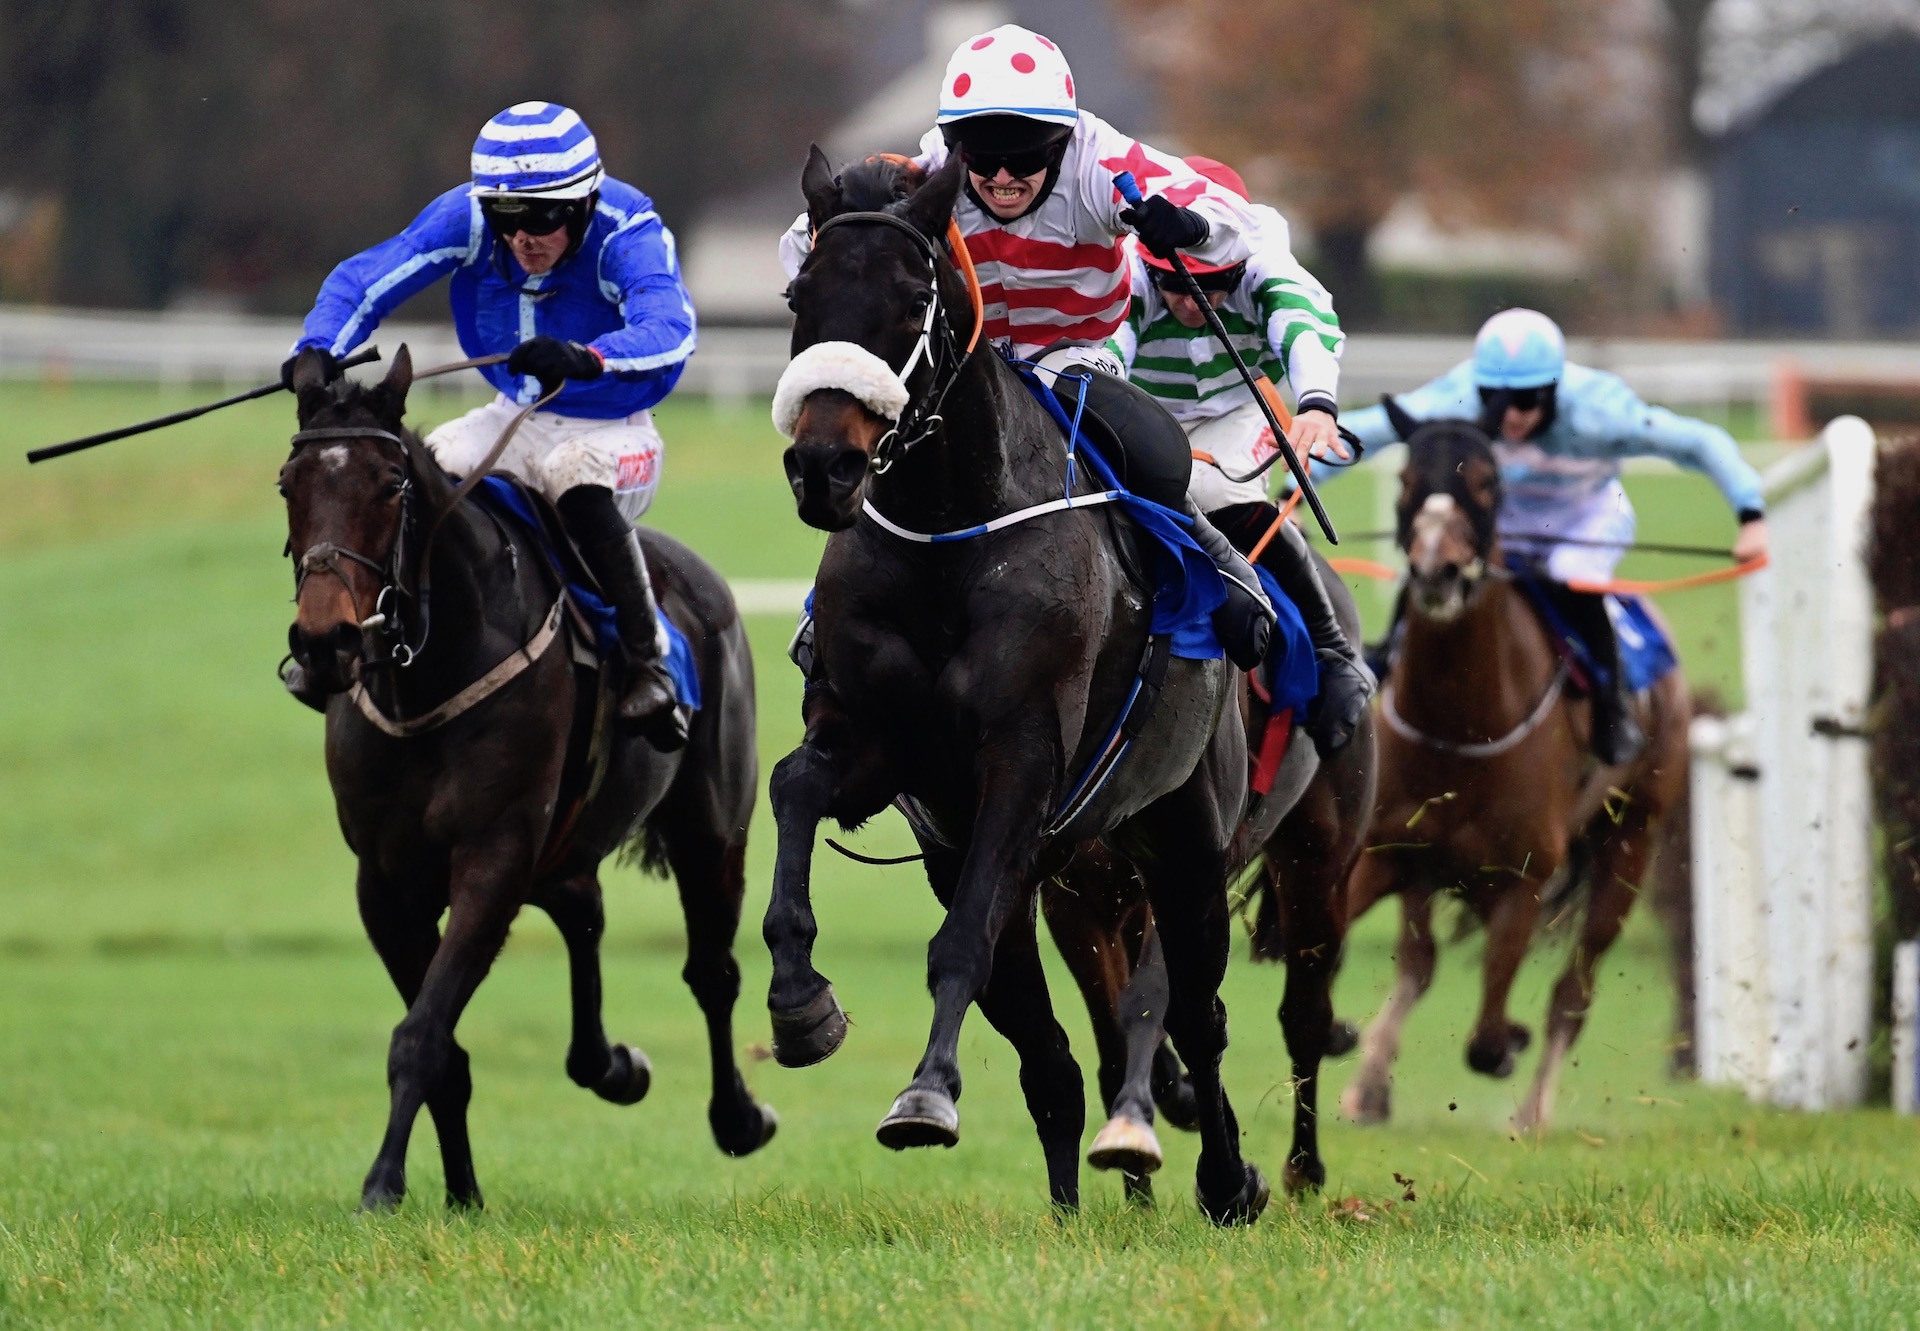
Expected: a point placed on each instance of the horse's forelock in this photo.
(1438, 454)
(876, 183)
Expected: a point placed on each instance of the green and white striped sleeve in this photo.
(1301, 326)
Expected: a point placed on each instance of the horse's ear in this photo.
(1403, 423)
(399, 378)
(931, 207)
(309, 380)
(817, 183)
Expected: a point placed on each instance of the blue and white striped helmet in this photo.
(1519, 349)
(540, 149)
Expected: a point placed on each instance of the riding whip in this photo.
(108, 436)
(1130, 191)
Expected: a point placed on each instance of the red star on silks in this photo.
(1182, 195)
(1144, 168)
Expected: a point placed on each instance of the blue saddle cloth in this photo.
(1646, 654)
(1188, 587)
(509, 499)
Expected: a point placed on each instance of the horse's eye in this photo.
(395, 487)
(918, 304)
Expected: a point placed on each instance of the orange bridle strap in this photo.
(957, 250)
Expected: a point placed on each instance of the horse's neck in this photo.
(1477, 676)
(474, 605)
(995, 452)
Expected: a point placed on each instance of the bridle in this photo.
(386, 621)
(936, 346)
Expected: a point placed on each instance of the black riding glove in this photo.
(1165, 227)
(329, 365)
(552, 361)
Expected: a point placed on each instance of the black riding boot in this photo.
(1244, 622)
(1346, 685)
(1617, 737)
(612, 550)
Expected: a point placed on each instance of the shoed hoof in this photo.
(1305, 1174)
(1343, 1037)
(810, 1033)
(1497, 1059)
(1128, 1145)
(1244, 1207)
(1366, 1103)
(920, 1117)
(628, 1077)
(738, 1135)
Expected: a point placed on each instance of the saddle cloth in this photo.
(510, 499)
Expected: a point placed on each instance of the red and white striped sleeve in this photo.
(1231, 224)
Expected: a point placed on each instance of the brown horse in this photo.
(1486, 787)
(491, 807)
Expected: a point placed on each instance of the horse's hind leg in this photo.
(1370, 1098)
(1016, 1001)
(618, 1073)
(1306, 1007)
(1619, 864)
(711, 874)
(405, 936)
(1125, 1007)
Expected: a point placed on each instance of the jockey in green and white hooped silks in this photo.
(1560, 432)
(573, 273)
(1281, 322)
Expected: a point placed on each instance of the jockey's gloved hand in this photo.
(552, 361)
(329, 364)
(1165, 227)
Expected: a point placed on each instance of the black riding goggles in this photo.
(1518, 399)
(536, 217)
(1019, 163)
(1225, 279)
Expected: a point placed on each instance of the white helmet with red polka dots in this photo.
(1010, 71)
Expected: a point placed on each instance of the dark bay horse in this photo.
(979, 679)
(1486, 787)
(493, 809)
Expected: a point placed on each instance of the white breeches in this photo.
(554, 453)
(1606, 516)
(1240, 441)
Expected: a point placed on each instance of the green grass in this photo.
(193, 1031)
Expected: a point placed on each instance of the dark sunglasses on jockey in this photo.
(1019, 163)
(1219, 279)
(1519, 399)
(536, 217)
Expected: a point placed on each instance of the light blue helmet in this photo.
(1519, 349)
(538, 149)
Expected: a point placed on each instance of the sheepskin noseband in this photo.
(847, 366)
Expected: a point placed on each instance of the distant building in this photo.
(1816, 202)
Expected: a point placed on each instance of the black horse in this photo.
(979, 679)
(475, 810)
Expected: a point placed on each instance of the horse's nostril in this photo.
(1450, 571)
(847, 468)
(796, 474)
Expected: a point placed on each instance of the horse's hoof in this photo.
(378, 1197)
(739, 1136)
(1139, 1191)
(1128, 1145)
(466, 1201)
(1244, 1207)
(1518, 1037)
(1365, 1103)
(1343, 1037)
(810, 1033)
(920, 1117)
(1305, 1174)
(1496, 1061)
(628, 1078)
(1179, 1106)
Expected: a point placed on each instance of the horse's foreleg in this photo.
(617, 1073)
(1619, 864)
(711, 874)
(1306, 1007)
(405, 937)
(423, 1062)
(1497, 1040)
(991, 882)
(808, 1024)
(1016, 1001)
(1370, 1098)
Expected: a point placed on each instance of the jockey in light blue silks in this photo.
(1560, 432)
(574, 274)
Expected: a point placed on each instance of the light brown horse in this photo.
(1486, 786)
